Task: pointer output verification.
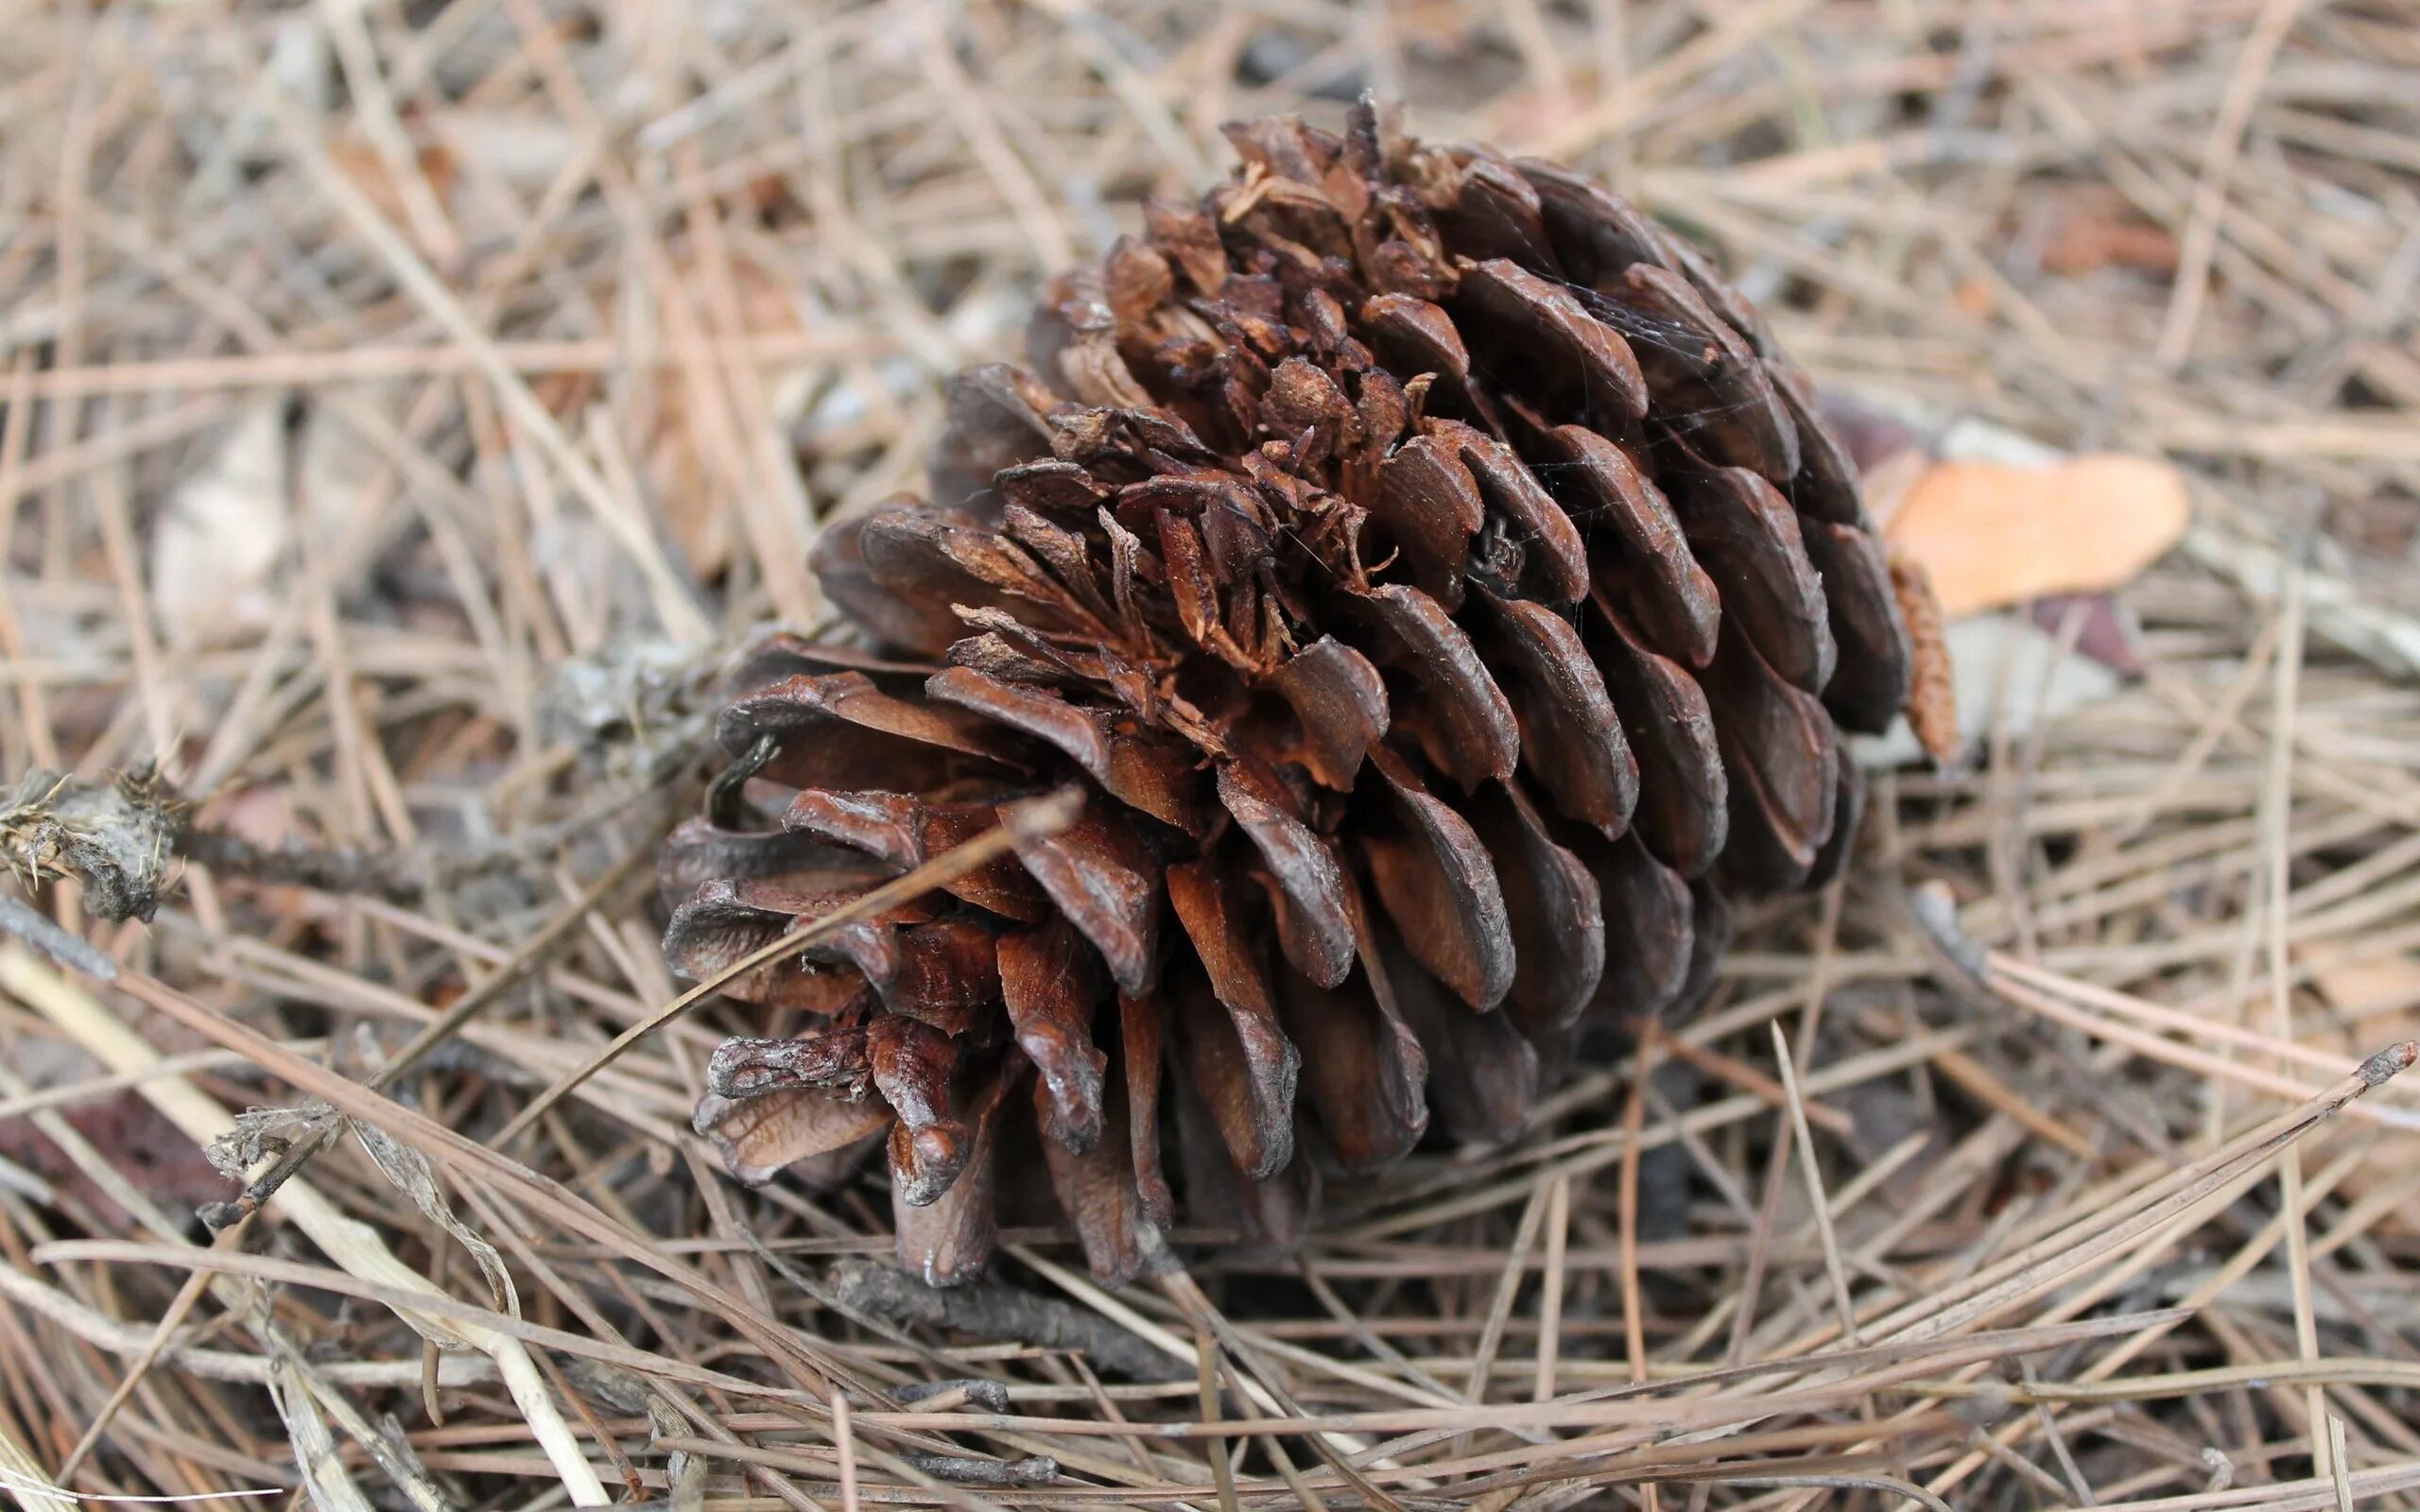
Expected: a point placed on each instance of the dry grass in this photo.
(368, 365)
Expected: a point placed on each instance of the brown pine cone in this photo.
(1445, 597)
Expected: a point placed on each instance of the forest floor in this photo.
(409, 408)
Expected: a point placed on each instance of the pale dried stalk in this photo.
(23, 1479)
(352, 1244)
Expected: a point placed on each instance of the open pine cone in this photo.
(1444, 596)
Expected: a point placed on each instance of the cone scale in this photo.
(1448, 599)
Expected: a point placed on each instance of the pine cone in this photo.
(1418, 556)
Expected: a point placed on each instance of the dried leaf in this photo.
(409, 1172)
(2095, 231)
(1990, 534)
(2372, 999)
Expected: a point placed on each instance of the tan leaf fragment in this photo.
(1991, 535)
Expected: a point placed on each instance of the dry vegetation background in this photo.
(406, 404)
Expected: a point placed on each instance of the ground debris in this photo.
(638, 709)
(264, 1134)
(998, 1314)
(115, 835)
(375, 434)
(66, 948)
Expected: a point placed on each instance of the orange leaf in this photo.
(2086, 244)
(1991, 535)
